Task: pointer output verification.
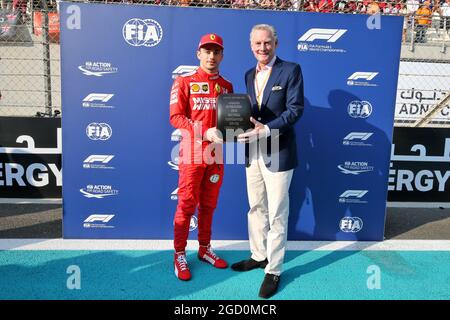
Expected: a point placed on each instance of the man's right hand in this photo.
(257, 133)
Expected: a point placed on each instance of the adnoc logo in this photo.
(139, 32)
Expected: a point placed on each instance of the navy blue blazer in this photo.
(281, 107)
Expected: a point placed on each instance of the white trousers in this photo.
(268, 196)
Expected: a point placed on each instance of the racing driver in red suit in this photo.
(193, 110)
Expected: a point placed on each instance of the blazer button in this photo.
(259, 119)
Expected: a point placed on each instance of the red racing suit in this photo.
(193, 101)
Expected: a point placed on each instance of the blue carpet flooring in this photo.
(149, 275)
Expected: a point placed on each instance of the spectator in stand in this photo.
(238, 4)
(423, 21)
(295, 5)
(436, 15)
(283, 4)
(373, 7)
(325, 6)
(309, 5)
(396, 8)
(340, 6)
(351, 7)
(411, 7)
(20, 5)
(361, 7)
(445, 11)
(388, 8)
(267, 4)
(219, 3)
(6, 4)
(404, 12)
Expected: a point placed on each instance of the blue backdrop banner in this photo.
(120, 152)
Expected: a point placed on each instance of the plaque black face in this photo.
(233, 113)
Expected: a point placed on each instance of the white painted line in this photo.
(428, 205)
(26, 201)
(391, 204)
(91, 244)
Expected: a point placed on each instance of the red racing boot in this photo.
(181, 267)
(206, 254)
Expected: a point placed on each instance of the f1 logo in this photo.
(363, 75)
(182, 70)
(353, 193)
(363, 136)
(99, 217)
(103, 97)
(98, 158)
(331, 35)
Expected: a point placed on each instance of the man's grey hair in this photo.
(266, 27)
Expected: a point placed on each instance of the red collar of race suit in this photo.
(209, 76)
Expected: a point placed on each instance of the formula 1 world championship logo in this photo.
(321, 40)
(139, 32)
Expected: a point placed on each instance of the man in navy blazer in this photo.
(275, 88)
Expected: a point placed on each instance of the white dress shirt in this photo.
(262, 76)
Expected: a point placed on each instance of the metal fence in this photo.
(30, 55)
(29, 58)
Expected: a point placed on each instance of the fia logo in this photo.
(98, 131)
(351, 224)
(359, 109)
(139, 32)
(302, 47)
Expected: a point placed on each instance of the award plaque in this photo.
(233, 114)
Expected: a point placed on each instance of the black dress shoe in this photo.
(269, 286)
(246, 265)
